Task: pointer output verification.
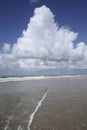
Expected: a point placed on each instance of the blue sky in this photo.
(15, 14)
(15, 17)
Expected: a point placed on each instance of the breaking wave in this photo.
(37, 78)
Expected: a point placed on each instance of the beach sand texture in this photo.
(44, 104)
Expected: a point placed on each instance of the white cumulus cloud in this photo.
(33, 1)
(6, 48)
(45, 45)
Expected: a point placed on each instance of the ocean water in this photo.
(39, 103)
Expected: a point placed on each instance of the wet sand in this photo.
(63, 108)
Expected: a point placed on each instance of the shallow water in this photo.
(63, 108)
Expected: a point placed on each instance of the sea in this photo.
(43, 103)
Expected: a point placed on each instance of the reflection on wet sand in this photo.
(26, 105)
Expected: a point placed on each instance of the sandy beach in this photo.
(44, 104)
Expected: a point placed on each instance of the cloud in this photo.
(45, 45)
(6, 48)
(33, 1)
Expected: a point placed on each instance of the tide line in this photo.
(36, 109)
(19, 128)
(6, 127)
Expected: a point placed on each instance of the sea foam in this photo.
(37, 78)
(36, 109)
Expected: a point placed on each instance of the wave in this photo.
(37, 78)
(20, 78)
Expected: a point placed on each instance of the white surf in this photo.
(36, 109)
(6, 127)
(19, 128)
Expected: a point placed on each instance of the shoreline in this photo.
(9, 79)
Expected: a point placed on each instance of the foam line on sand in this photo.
(36, 109)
